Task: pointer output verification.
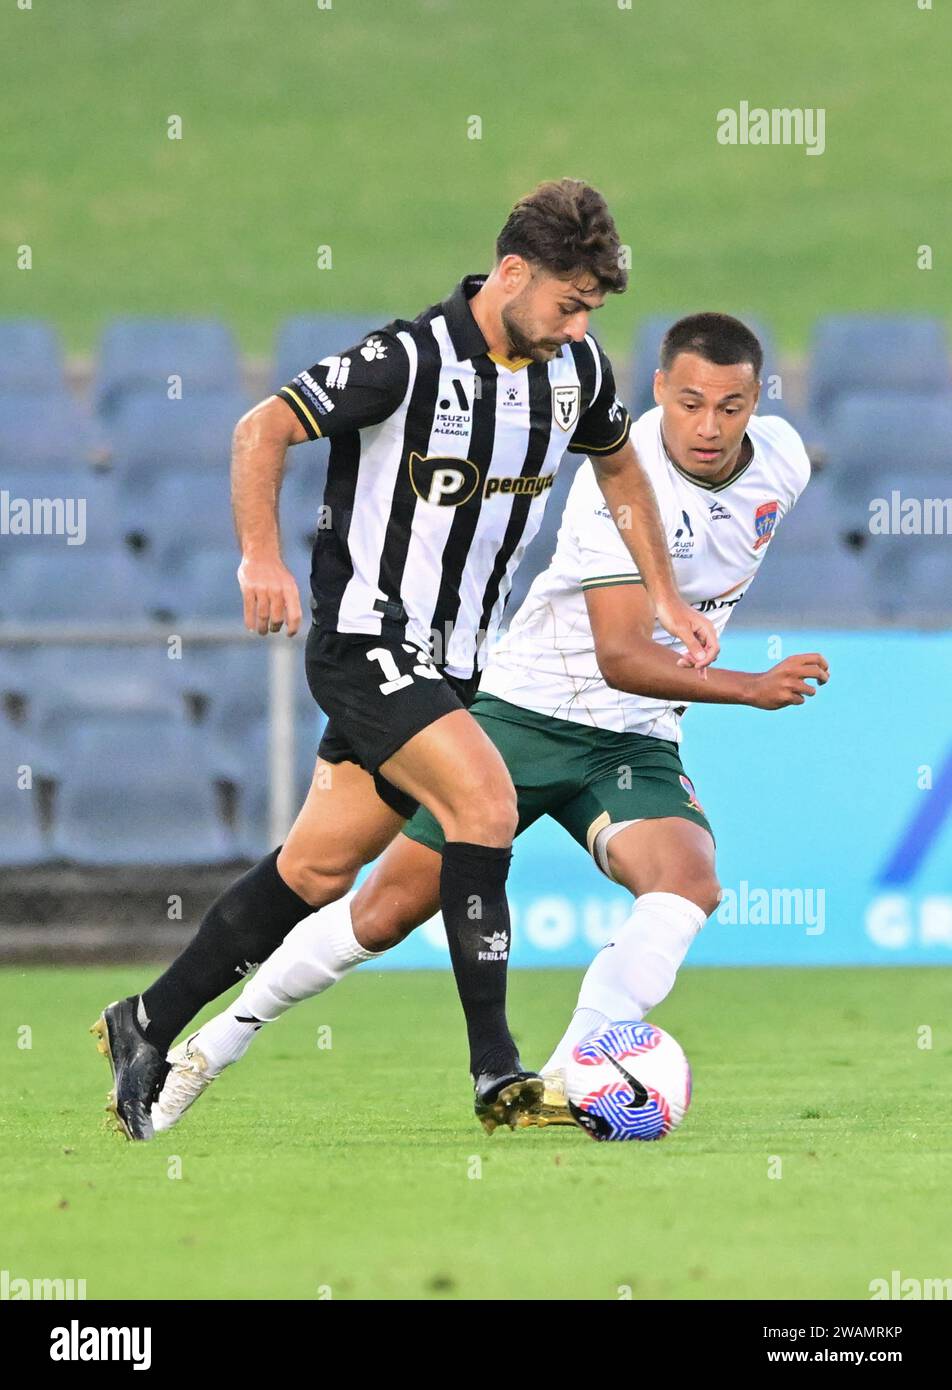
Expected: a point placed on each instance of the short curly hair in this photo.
(565, 227)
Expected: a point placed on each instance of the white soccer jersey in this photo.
(718, 536)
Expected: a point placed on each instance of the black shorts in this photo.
(377, 692)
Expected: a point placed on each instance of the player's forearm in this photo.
(646, 668)
(631, 501)
(257, 468)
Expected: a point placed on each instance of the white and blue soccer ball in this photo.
(630, 1081)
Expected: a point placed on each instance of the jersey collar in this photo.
(465, 333)
(742, 466)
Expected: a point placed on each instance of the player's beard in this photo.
(520, 343)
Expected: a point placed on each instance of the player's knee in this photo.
(703, 888)
(487, 815)
(317, 884)
(380, 920)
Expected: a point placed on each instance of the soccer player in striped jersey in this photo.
(584, 699)
(446, 432)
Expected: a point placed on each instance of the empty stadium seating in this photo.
(876, 352)
(102, 815)
(31, 357)
(142, 354)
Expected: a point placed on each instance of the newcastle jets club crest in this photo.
(765, 519)
(565, 405)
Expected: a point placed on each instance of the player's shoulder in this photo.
(782, 451)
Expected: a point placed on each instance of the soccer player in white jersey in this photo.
(584, 699)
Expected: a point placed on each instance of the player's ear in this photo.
(657, 385)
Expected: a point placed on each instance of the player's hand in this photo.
(787, 683)
(693, 629)
(269, 592)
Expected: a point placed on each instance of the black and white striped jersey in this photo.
(442, 458)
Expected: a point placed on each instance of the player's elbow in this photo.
(609, 664)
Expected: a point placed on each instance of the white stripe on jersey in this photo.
(381, 449)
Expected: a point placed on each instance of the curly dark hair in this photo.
(565, 227)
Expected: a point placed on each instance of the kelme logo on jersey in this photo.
(765, 519)
(446, 481)
(566, 401)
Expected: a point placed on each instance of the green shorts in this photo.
(583, 777)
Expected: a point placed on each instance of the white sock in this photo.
(311, 958)
(583, 1022)
(636, 969)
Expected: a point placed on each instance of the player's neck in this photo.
(485, 307)
(740, 461)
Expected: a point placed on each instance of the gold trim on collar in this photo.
(511, 364)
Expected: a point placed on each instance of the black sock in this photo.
(476, 916)
(239, 930)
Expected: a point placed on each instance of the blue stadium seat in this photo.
(302, 494)
(872, 438)
(198, 583)
(868, 352)
(307, 338)
(917, 584)
(139, 354)
(98, 520)
(808, 587)
(53, 679)
(31, 357)
(76, 585)
(177, 509)
(47, 431)
(647, 347)
(137, 788)
(252, 826)
(22, 838)
(149, 433)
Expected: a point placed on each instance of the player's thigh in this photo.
(401, 892)
(538, 761)
(453, 769)
(669, 854)
(642, 823)
(342, 825)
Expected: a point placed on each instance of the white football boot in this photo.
(190, 1075)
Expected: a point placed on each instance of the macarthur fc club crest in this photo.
(566, 401)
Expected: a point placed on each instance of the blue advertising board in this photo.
(833, 821)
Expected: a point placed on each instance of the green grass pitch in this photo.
(358, 1168)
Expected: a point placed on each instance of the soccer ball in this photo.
(630, 1081)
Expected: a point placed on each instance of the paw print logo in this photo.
(373, 349)
(512, 395)
(499, 941)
